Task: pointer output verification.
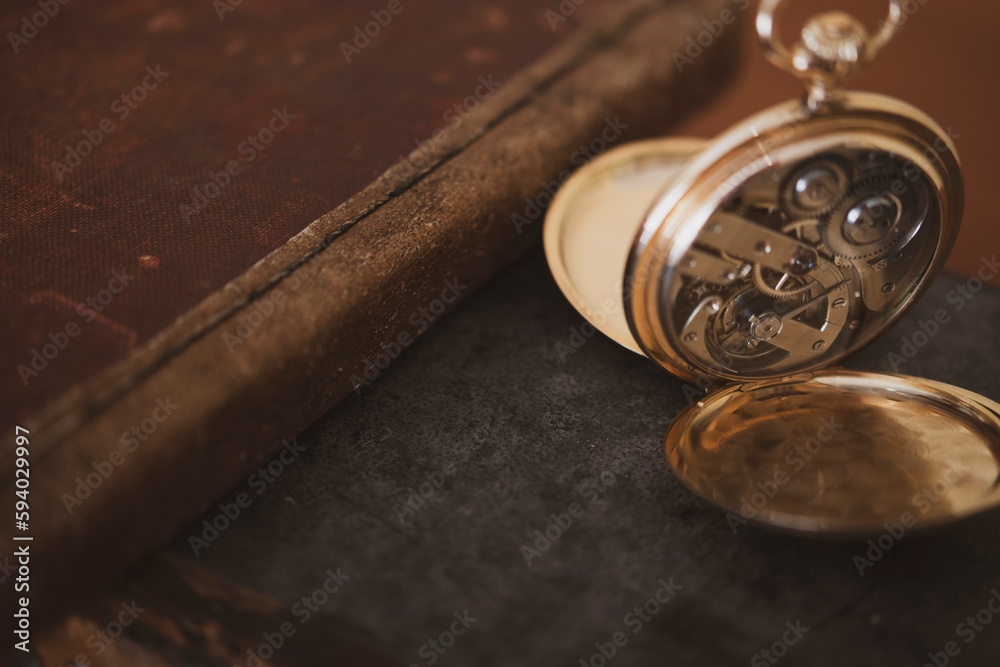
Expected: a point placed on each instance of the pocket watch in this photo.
(753, 262)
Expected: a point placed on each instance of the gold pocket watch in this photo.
(753, 262)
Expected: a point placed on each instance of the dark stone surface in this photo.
(523, 434)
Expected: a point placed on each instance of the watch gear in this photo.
(879, 214)
(815, 187)
(785, 285)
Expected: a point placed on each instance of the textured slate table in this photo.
(490, 408)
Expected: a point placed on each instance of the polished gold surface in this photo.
(841, 451)
(594, 218)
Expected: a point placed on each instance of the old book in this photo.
(230, 216)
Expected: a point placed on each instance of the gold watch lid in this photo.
(841, 451)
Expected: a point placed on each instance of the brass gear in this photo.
(874, 219)
(765, 288)
(816, 186)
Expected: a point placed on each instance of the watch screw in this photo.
(839, 303)
(888, 287)
(762, 247)
(802, 262)
(819, 345)
(691, 337)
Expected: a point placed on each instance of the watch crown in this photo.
(833, 46)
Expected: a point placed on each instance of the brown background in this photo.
(945, 61)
